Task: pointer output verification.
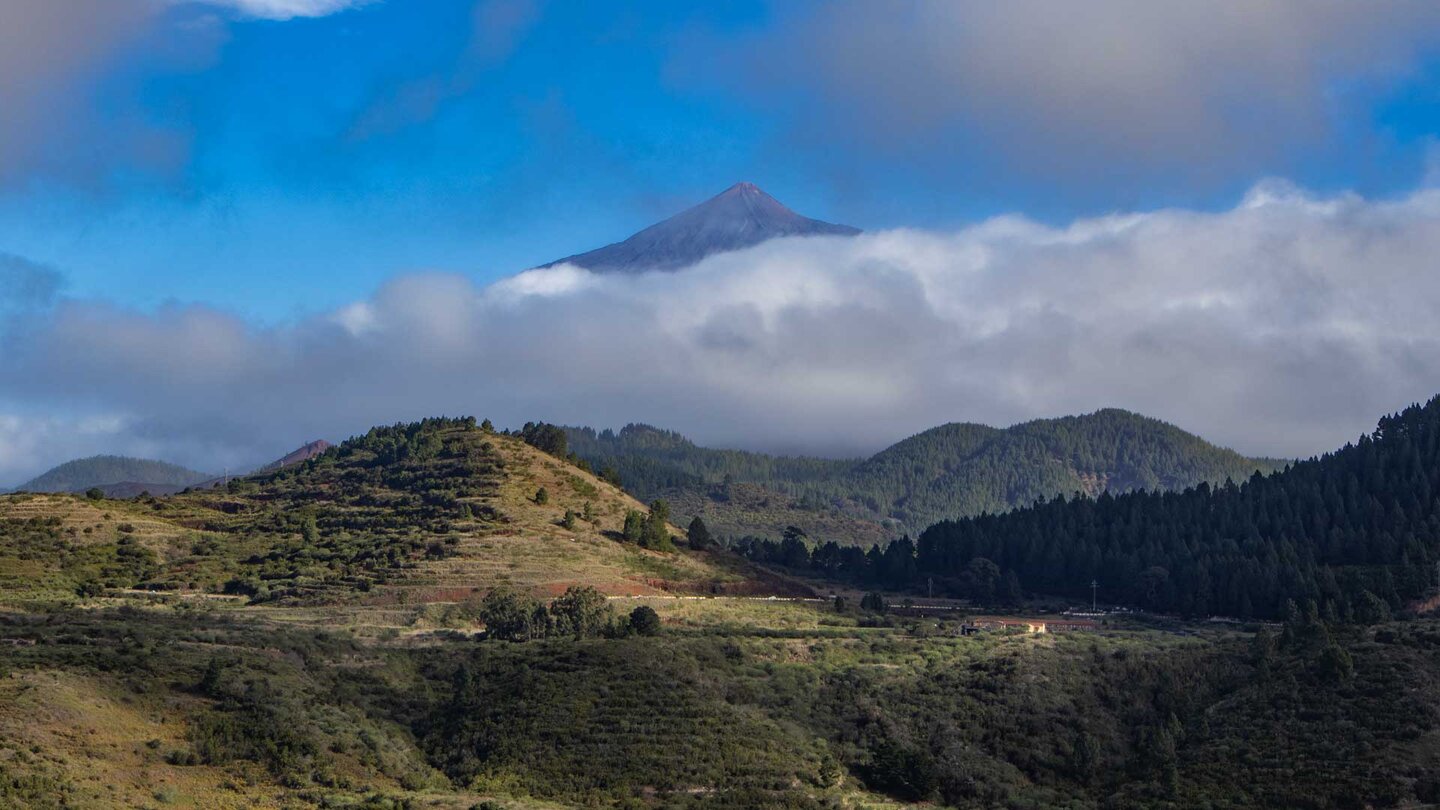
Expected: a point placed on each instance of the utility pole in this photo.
(1094, 604)
(930, 585)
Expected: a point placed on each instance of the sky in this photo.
(231, 226)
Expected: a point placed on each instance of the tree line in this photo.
(581, 612)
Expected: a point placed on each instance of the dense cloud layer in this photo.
(1283, 326)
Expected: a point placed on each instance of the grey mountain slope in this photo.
(739, 217)
(303, 453)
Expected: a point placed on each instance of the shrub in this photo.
(581, 611)
(644, 621)
(90, 588)
(510, 616)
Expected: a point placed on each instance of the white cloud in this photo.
(284, 9)
(1285, 325)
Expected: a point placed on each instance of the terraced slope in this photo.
(433, 511)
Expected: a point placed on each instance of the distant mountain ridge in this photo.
(102, 471)
(739, 217)
(949, 471)
(125, 477)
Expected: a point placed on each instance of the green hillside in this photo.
(1353, 532)
(82, 474)
(961, 470)
(950, 471)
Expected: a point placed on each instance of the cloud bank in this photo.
(1285, 325)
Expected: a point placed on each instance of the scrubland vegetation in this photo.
(403, 622)
(221, 708)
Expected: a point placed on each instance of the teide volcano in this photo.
(739, 217)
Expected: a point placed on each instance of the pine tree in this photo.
(655, 534)
(698, 534)
(874, 602)
(634, 529)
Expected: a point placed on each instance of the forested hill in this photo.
(1356, 531)
(650, 460)
(950, 471)
(81, 474)
(965, 469)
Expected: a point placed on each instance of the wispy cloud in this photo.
(26, 285)
(52, 56)
(496, 29)
(1285, 325)
(1114, 89)
(283, 9)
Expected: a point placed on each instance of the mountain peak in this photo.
(745, 190)
(741, 216)
(303, 453)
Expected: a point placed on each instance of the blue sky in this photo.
(310, 175)
(291, 165)
(228, 227)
